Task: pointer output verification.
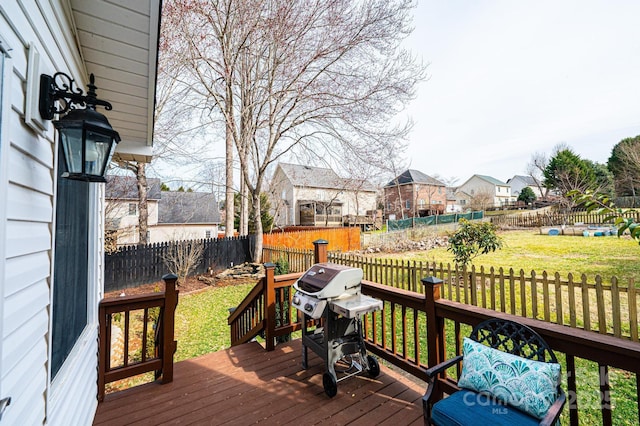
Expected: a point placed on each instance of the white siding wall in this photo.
(27, 182)
(162, 233)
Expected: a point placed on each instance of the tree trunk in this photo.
(256, 209)
(143, 211)
(244, 207)
(228, 203)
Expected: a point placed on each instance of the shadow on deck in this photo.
(246, 384)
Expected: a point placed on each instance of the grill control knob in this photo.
(296, 300)
(308, 307)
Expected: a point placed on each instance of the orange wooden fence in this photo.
(340, 239)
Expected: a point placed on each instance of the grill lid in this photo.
(327, 280)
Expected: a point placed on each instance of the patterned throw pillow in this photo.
(528, 385)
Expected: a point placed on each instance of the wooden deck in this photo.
(246, 384)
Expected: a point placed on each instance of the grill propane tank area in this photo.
(331, 294)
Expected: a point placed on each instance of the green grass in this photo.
(201, 320)
(529, 250)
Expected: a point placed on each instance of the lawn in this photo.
(529, 250)
(201, 320)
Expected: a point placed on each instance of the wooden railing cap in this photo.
(431, 280)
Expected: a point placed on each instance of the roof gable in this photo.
(188, 208)
(318, 177)
(491, 180)
(126, 188)
(414, 176)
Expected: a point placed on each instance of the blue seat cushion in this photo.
(466, 408)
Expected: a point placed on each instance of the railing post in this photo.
(270, 305)
(168, 331)
(435, 325)
(320, 251)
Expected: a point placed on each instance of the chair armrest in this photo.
(437, 369)
(555, 410)
(431, 383)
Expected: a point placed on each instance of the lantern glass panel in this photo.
(71, 139)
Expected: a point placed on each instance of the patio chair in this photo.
(510, 376)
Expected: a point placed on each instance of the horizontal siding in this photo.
(28, 389)
(38, 149)
(24, 304)
(26, 269)
(23, 340)
(27, 172)
(26, 238)
(29, 205)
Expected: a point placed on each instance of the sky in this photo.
(509, 78)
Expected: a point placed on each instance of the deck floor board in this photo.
(247, 385)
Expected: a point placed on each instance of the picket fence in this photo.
(583, 302)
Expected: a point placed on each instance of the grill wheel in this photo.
(330, 385)
(374, 366)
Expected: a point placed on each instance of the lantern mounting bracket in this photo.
(62, 87)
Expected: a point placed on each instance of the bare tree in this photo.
(535, 169)
(183, 257)
(322, 75)
(481, 200)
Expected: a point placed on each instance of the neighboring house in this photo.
(453, 205)
(314, 196)
(171, 215)
(481, 192)
(51, 227)
(185, 216)
(121, 211)
(518, 182)
(414, 194)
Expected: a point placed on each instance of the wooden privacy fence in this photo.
(553, 219)
(579, 302)
(418, 327)
(341, 239)
(142, 264)
(137, 335)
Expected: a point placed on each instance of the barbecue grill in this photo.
(330, 294)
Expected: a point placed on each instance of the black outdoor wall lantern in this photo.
(87, 138)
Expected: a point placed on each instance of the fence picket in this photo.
(602, 321)
(585, 302)
(572, 301)
(615, 307)
(633, 310)
(559, 305)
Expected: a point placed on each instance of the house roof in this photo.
(118, 43)
(126, 188)
(188, 208)
(318, 177)
(526, 179)
(491, 180)
(414, 176)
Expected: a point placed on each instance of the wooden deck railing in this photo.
(605, 351)
(588, 303)
(419, 329)
(266, 310)
(137, 335)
